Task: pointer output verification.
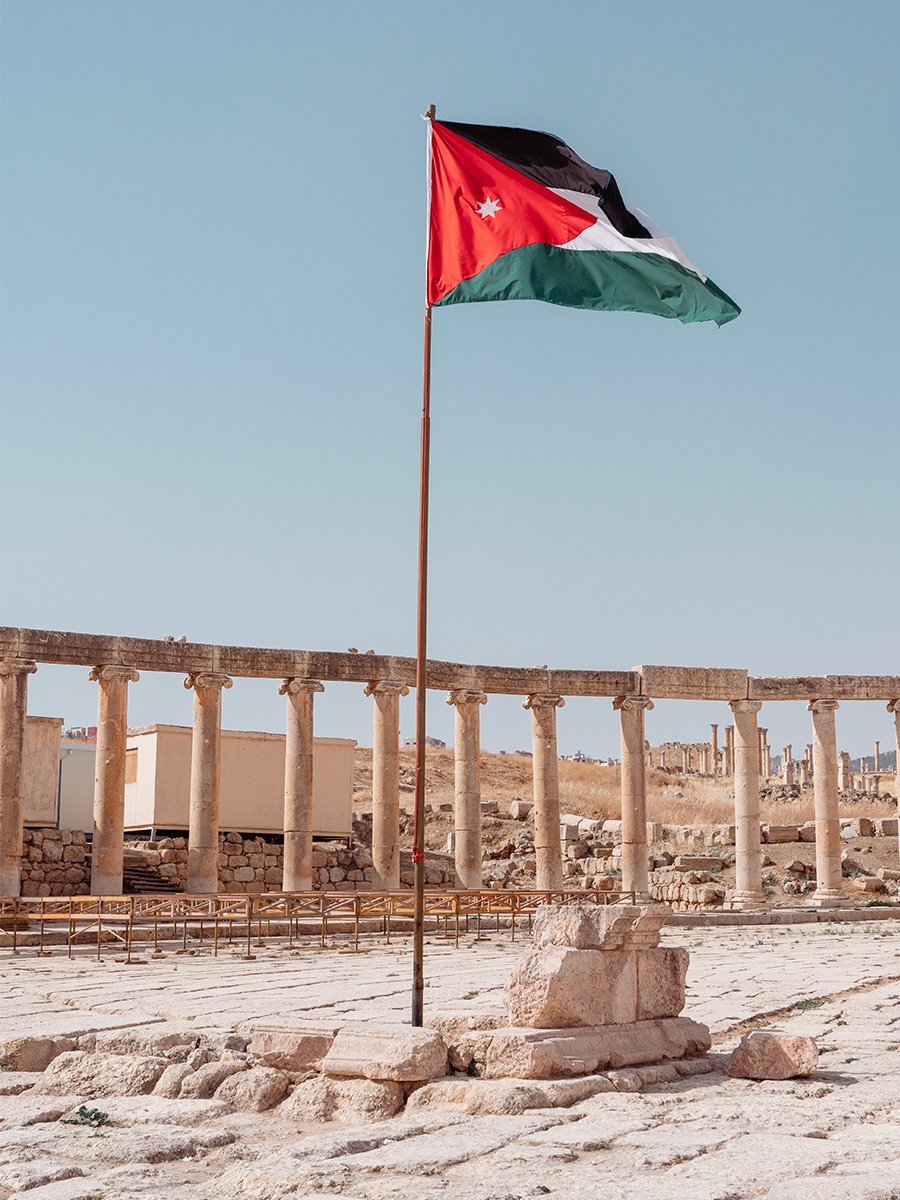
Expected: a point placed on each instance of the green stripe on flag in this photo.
(605, 280)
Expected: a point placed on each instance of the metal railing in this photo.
(282, 916)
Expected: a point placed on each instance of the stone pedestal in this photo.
(545, 765)
(595, 990)
(14, 674)
(386, 784)
(467, 788)
(298, 783)
(108, 845)
(203, 834)
(829, 880)
(747, 836)
(635, 871)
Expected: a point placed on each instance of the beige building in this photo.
(158, 778)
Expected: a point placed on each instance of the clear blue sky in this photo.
(214, 227)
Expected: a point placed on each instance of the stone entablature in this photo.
(661, 683)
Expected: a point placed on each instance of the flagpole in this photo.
(418, 854)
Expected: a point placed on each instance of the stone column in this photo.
(877, 758)
(547, 848)
(747, 835)
(829, 881)
(728, 764)
(767, 766)
(14, 674)
(759, 750)
(809, 759)
(804, 772)
(685, 759)
(108, 842)
(894, 707)
(635, 870)
(846, 772)
(788, 765)
(203, 833)
(764, 753)
(467, 788)
(386, 784)
(298, 783)
(714, 748)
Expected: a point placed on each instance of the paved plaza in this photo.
(704, 1138)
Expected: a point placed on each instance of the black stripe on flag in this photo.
(546, 159)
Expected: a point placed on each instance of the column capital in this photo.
(17, 666)
(894, 706)
(543, 700)
(206, 681)
(630, 703)
(386, 687)
(745, 706)
(818, 706)
(464, 696)
(113, 673)
(291, 687)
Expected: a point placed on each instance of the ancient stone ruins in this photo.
(607, 1014)
(115, 663)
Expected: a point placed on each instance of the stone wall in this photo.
(55, 863)
(254, 864)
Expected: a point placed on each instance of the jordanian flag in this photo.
(517, 215)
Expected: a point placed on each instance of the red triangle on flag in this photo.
(482, 209)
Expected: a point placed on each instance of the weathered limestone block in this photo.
(770, 1054)
(661, 972)
(560, 987)
(467, 1036)
(503, 1097)
(167, 1038)
(169, 1083)
(14, 1082)
(298, 1049)
(387, 1052)
(583, 927)
(565, 1052)
(255, 1090)
(645, 931)
(202, 1083)
(324, 1099)
(781, 833)
(84, 1073)
(32, 1053)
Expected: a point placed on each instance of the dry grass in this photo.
(592, 790)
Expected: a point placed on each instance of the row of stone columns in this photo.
(744, 754)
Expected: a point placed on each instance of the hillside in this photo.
(589, 789)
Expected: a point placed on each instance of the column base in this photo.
(827, 898)
(10, 881)
(106, 885)
(747, 902)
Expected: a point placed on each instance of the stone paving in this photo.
(835, 1137)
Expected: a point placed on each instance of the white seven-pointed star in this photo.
(488, 208)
